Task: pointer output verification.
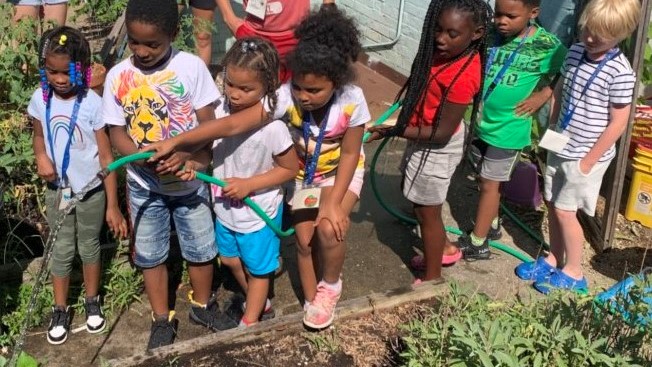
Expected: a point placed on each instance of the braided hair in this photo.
(255, 53)
(68, 41)
(329, 43)
(413, 91)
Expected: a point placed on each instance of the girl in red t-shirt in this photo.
(446, 77)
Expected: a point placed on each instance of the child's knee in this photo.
(488, 186)
(230, 262)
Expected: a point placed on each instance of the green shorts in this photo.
(81, 228)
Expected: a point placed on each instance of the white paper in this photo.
(257, 8)
(554, 141)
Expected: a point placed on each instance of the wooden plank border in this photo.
(289, 323)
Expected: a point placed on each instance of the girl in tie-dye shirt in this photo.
(326, 116)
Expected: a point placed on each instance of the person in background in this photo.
(203, 13)
(275, 22)
(49, 10)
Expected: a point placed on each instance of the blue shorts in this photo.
(259, 251)
(150, 220)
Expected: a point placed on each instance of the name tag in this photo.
(554, 141)
(64, 196)
(307, 198)
(257, 8)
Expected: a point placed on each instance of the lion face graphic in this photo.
(146, 114)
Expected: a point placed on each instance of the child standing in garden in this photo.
(253, 165)
(71, 145)
(523, 56)
(157, 93)
(591, 108)
(445, 78)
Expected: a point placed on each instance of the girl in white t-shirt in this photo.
(71, 145)
(253, 164)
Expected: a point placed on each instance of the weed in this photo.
(561, 330)
(326, 341)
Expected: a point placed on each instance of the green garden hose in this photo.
(412, 221)
(209, 179)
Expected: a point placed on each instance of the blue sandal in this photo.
(535, 270)
(559, 280)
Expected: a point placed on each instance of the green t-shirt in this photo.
(541, 55)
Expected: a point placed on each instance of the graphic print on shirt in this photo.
(156, 107)
(329, 156)
(60, 125)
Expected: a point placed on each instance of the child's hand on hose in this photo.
(333, 213)
(172, 163)
(162, 149)
(378, 132)
(237, 188)
(189, 170)
(116, 222)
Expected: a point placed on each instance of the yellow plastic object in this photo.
(639, 203)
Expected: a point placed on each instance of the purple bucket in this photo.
(523, 188)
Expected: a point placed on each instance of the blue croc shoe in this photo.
(559, 280)
(535, 270)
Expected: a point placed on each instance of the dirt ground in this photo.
(379, 249)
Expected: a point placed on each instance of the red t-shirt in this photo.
(281, 16)
(466, 86)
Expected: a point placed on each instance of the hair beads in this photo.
(88, 75)
(44, 84)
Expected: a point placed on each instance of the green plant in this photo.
(13, 308)
(326, 341)
(561, 330)
(103, 11)
(18, 61)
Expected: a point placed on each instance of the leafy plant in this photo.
(103, 11)
(561, 330)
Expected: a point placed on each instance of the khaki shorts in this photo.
(428, 168)
(567, 188)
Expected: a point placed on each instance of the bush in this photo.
(560, 330)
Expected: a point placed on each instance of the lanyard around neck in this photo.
(510, 60)
(311, 160)
(65, 163)
(572, 105)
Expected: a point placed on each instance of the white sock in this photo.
(335, 287)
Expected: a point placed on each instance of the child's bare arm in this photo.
(616, 127)
(121, 141)
(534, 102)
(555, 104)
(287, 167)
(45, 168)
(190, 141)
(451, 117)
(114, 218)
(228, 15)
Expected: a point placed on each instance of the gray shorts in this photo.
(428, 168)
(567, 188)
(492, 163)
(81, 230)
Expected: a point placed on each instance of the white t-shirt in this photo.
(614, 84)
(156, 105)
(244, 156)
(349, 109)
(84, 159)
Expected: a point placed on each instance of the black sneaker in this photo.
(472, 252)
(59, 325)
(210, 316)
(496, 233)
(95, 321)
(163, 332)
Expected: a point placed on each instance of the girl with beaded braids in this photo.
(445, 78)
(253, 164)
(70, 146)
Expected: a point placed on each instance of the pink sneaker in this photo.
(321, 311)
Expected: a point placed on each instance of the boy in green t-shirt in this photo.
(524, 58)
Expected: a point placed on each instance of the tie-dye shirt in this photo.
(349, 109)
(157, 105)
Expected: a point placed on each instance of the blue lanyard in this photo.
(510, 60)
(570, 110)
(311, 160)
(71, 130)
